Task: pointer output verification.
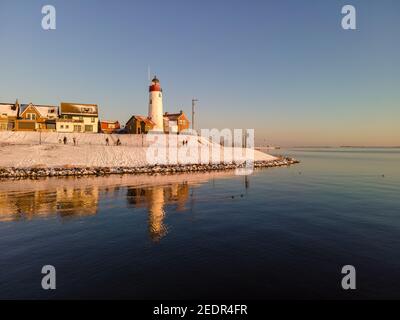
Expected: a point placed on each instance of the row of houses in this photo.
(69, 117)
(82, 118)
(173, 123)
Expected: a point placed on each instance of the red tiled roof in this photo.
(145, 119)
(173, 116)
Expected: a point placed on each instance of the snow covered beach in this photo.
(45, 154)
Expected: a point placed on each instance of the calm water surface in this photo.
(280, 233)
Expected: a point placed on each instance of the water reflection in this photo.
(155, 199)
(70, 201)
(63, 201)
(71, 198)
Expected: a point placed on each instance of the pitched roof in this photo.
(145, 119)
(9, 109)
(47, 112)
(174, 116)
(79, 109)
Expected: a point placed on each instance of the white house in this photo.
(75, 117)
(8, 115)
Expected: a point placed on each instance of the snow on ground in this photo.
(22, 149)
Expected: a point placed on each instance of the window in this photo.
(62, 126)
(151, 101)
(88, 128)
(93, 120)
(31, 116)
(66, 126)
(77, 128)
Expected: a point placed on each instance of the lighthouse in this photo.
(156, 105)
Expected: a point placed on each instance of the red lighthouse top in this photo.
(155, 85)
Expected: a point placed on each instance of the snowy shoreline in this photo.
(31, 155)
(34, 173)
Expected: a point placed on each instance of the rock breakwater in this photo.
(41, 172)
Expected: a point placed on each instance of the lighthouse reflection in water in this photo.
(209, 235)
(67, 202)
(154, 199)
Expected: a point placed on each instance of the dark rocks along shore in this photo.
(34, 173)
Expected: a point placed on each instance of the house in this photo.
(77, 117)
(34, 117)
(175, 122)
(109, 126)
(139, 124)
(8, 115)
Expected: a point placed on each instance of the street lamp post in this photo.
(193, 106)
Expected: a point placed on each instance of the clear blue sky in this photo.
(285, 68)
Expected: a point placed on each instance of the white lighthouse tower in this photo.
(156, 105)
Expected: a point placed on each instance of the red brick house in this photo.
(109, 126)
